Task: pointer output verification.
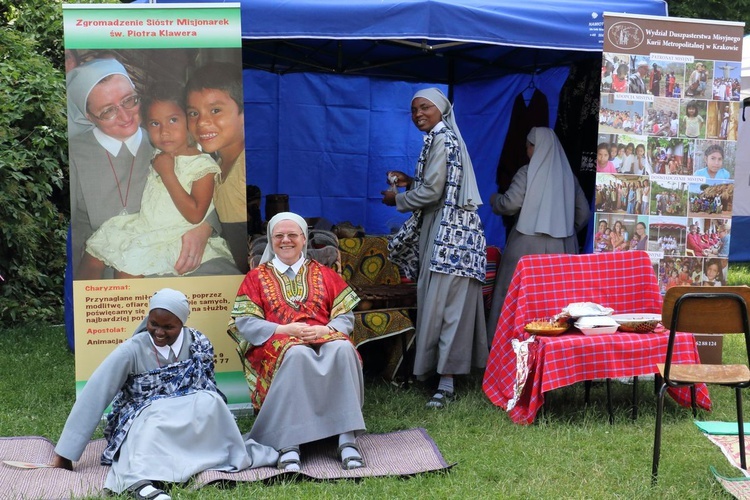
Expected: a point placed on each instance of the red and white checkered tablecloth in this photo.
(541, 287)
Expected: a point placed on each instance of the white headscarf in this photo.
(268, 253)
(173, 301)
(80, 81)
(549, 204)
(468, 196)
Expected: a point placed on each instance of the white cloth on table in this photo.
(521, 348)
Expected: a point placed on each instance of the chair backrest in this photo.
(720, 314)
(323, 246)
(708, 310)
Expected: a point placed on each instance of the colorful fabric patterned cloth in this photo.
(177, 379)
(377, 281)
(317, 295)
(493, 262)
(542, 286)
(364, 262)
(460, 246)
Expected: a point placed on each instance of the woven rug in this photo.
(738, 487)
(730, 447)
(401, 453)
(725, 436)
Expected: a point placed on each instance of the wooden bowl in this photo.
(543, 327)
(637, 322)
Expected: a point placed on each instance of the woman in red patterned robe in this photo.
(304, 373)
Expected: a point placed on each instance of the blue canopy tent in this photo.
(328, 85)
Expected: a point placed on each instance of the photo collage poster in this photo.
(145, 85)
(666, 150)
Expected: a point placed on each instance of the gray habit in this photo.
(173, 438)
(450, 326)
(520, 244)
(316, 392)
(94, 193)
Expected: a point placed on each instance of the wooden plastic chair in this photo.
(719, 310)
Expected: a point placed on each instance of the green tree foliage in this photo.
(726, 10)
(33, 161)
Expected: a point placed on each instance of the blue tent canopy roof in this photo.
(444, 41)
(552, 24)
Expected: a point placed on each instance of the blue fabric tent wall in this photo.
(328, 140)
(332, 138)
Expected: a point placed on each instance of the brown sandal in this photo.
(281, 464)
(441, 402)
(346, 462)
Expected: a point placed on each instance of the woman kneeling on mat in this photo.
(305, 375)
(168, 420)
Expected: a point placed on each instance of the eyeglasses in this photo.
(423, 108)
(111, 112)
(291, 236)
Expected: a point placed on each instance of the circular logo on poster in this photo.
(625, 35)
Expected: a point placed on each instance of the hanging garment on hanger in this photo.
(577, 124)
(529, 91)
(522, 119)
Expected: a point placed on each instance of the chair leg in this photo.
(404, 361)
(609, 402)
(741, 427)
(406, 365)
(657, 433)
(586, 392)
(634, 412)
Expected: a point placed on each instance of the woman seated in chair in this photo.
(305, 375)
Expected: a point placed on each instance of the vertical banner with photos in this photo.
(666, 158)
(157, 172)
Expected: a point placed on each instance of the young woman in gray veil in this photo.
(168, 420)
(443, 246)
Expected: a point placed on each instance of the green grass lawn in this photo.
(571, 452)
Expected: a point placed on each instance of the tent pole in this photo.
(451, 78)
